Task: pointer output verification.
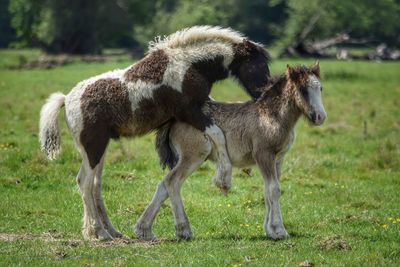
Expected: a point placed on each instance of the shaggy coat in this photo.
(257, 132)
(172, 82)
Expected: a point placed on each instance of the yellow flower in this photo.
(229, 205)
(247, 225)
(385, 226)
(390, 218)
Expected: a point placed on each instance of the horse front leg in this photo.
(273, 224)
(143, 227)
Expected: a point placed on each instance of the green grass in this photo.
(340, 183)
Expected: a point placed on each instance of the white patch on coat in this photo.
(180, 59)
(139, 90)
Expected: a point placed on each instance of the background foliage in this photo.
(87, 26)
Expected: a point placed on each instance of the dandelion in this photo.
(390, 219)
(229, 205)
(247, 225)
(219, 205)
(385, 226)
(248, 209)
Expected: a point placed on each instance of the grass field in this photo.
(340, 183)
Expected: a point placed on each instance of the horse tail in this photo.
(49, 131)
(166, 152)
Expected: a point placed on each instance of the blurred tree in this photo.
(75, 26)
(375, 20)
(261, 20)
(7, 32)
(86, 26)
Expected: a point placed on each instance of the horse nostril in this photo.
(313, 116)
(319, 117)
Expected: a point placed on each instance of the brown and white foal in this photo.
(172, 82)
(256, 132)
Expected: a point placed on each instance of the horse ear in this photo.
(315, 68)
(291, 73)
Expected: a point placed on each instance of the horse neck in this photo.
(279, 104)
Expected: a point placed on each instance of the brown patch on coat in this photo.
(196, 87)
(168, 103)
(154, 112)
(107, 113)
(149, 69)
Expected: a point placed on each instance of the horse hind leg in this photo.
(223, 175)
(92, 225)
(195, 116)
(92, 147)
(98, 199)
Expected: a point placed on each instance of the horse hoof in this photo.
(278, 234)
(184, 235)
(144, 234)
(114, 233)
(183, 231)
(103, 235)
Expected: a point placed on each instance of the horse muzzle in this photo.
(317, 117)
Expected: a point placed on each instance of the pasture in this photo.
(340, 182)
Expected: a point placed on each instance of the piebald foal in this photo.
(172, 82)
(257, 132)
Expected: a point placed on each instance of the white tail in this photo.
(49, 132)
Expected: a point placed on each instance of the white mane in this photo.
(196, 34)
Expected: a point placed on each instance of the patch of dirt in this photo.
(334, 242)
(60, 255)
(56, 237)
(306, 263)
